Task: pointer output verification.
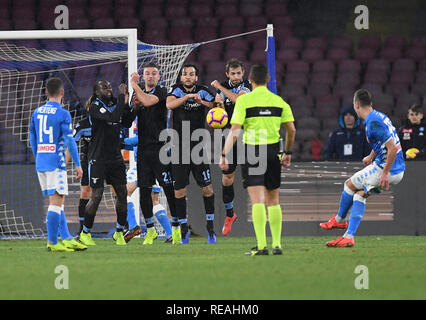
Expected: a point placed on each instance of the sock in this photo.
(209, 207)
(180, 208)
(358, 209)
(131, 217)
(142, 224)
(259, 223)
(275, 224)
(145, 201)
(346, 200)
(175, 222)
(161, 215)
(63, 227)
(81, 207)
(119, 227)
(228, 199)
(53, 220)
(183, 226)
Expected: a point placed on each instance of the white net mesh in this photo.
(24, 67)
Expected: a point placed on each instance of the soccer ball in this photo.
(217, 118)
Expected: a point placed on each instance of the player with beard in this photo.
(228, 92)
(150, 109)
(188, 101)
(106, 163)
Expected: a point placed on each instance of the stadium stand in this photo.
(319, 62)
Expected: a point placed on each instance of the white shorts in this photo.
(132, 176)
(368, 179)
(53, 181)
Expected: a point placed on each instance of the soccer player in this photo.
(228, 92)
(384, 166)
(158, 209)
(262, 113)
(104, 155)
(82, 134)
(150, 109)
(188, 101)
(50, 133)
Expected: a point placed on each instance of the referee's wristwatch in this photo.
(288, 152)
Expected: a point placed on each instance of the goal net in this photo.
(25, 64)
(79, 58)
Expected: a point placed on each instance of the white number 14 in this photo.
(43, 128)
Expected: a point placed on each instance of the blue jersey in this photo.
(50, 125)
(379, 130)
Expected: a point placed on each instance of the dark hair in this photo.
(416, 108)
(54, 86)
(259, 74)
(234, 63)
(189, 65)
(94, 95)
(363, 96)
(151, 64)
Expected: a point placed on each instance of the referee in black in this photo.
(107, 115)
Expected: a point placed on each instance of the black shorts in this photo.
(271, 178)
(201, 173)
(150, 168)
(113, 172)
(84, 166)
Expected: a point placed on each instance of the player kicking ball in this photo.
(384, 166)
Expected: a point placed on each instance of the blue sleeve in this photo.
(130, 143)
(206, 95)
(33, 138)
(72, 149)
(379, 133)
(69, 139)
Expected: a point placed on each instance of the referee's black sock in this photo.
(81, 208)
(228, 199)
(209, 207)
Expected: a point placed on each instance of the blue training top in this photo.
(50, 133)
(379, 130)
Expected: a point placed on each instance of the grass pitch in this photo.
(200, 271)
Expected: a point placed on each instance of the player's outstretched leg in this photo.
(338, 221)
(358, 209)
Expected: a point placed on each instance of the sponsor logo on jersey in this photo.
(46, 148)
(265, 112)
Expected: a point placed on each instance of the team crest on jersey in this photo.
(102, 110)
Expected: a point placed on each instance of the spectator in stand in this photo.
(347, 142)
(412, 133)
